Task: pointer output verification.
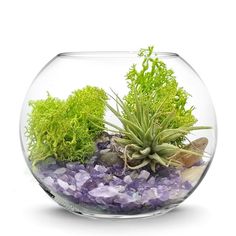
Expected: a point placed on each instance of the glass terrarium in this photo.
(118, 134)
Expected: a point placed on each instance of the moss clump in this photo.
(155, 82)
(64, 128)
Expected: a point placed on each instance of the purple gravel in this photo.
(111, 190)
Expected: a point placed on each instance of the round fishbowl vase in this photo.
(118, 134)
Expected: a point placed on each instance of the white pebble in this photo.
(144, 174)
(150, 194)
(81, 177)
(67, 193)
(63, 184)
(48, 181)
(127, 179)
(151, 180)
(100, 168)
(72, 187)
(104, 191)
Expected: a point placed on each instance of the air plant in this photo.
(147, 141)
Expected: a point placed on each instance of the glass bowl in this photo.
(118, 134)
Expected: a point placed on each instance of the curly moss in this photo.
(64, 128)
(158, 83)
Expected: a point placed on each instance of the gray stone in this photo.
(110, 158)
(134, 174)
(60, 171)
(92, 160)
(104, 151)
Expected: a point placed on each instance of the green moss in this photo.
(64, 128)
(90, 102)
(156, 82)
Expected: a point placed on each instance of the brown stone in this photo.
(198, 145)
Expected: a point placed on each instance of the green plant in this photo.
(154, 81)
(154, 115)
(89, 104)
(64, 128)
(147, 141)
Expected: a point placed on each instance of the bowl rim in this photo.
(112, 54)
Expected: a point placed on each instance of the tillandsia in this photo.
(147, 141)
(154, 115)
(64, 129)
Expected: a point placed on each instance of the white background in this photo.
(32, 32)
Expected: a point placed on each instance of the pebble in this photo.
(72, 187)
(127, 179)
(60, 171)
(92, 160)
(193, 174)
(134, 174)
(104, 192)
(103, 151)
(198, 145)
(63, 184)
(100, 168)
(81, 177)
(165, 196)
(151, 181)
(110, 158)
(187, 185)
(144, 174)
(48, 181)
(125, 198)
(149, 194)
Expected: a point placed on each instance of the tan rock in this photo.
(198, 145)
(193, 174)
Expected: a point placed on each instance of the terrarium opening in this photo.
(112, 54)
